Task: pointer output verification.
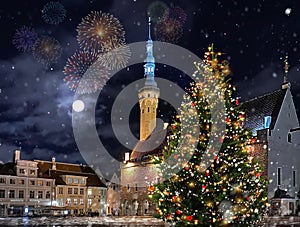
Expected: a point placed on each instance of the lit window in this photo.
(81, 202)
(75, 181)
(75, 201)
(82, 181)
(267, 121)
(90, 201)
(21, 181)
(31, 182)
(40, 183)
(89, 191)
(32, 172)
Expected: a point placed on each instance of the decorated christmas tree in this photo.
(217, 186)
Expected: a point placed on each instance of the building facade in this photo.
(21, 190)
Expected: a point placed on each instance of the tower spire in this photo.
(149, 28)
(285, 83)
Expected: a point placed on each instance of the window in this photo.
(75, 201)
(148, 95)
(32, 182)
(81, 202)
(40, 194)
(89, 201)
(136, 187)
(75, 181)
(2, 180)
(12, 181)
(40, 183)
(21, 181)
(289, 137)
(68, 202)
(81, 191)
(294, 178)
(48, 195)
(60, 190)
(70, 180)
(148, 109)
(75, 191)
(32, 172)
(21, 194)
(69, 190)
(2, 193)
(31, 194)
(278, 176)
(11, 194)
(22, 171)
(48, 183)
(128, 187)
(267, 121)
(60, 202)
(89, 191)
(82, 181)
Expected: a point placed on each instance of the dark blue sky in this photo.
(36, 104)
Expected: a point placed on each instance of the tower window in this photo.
(143, 110)
(289, 137)
(294, 178)
(148, 95)
(278, 176)
(148, 109)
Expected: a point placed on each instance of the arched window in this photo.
(148, 109)
(289, 137)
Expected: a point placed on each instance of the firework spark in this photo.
(116, 57)
(85, 64)
(156, 10)
(97, 30)
(53, 13)
(46, 50)
(176, 13)
(24, 38)
(168, 30)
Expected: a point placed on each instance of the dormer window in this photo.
(267, 121)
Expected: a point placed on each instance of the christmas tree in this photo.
(215, 187)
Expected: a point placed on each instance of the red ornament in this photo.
(174, 198)
(258, 175)
(179, 212)
(176, 156)
(227, 120)
(237, 102)
(204, 187)
(207, 173)
(193, 104)
(217, 158)
(189, 217)
(173, 126)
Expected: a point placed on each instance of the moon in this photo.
(78, 105)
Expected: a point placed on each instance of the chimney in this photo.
(53, 163)
(17, 156)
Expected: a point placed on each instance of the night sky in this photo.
(36, 103)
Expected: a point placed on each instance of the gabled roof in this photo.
(258, 108)
(144, 148)
(69, 169)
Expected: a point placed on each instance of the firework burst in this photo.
(53, 13)
(117, 55)
(176, 13)
(85, 64)
(46, 50)
(24, 38)
(156, 10)
(97, 30)
(168, 30)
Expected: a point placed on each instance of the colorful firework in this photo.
(176, 13)
(24, 38)
(46, 50)
(117, 55)
(85, 64)
(97, 29)
(156, 10)
(53, 13)
(168, 30)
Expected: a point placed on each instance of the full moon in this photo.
(78, 105)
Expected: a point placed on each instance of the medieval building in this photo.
(276, 142)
